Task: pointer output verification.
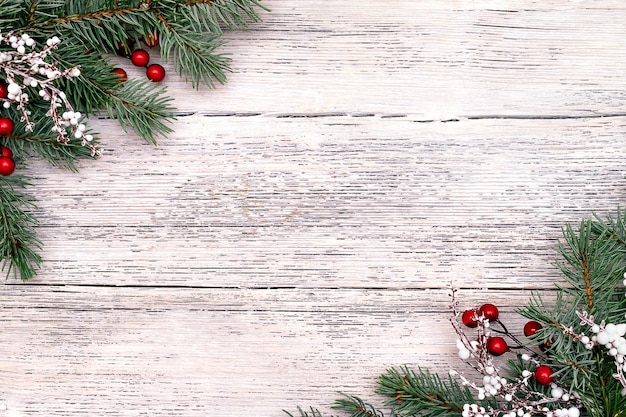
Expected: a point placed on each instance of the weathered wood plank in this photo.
(225, 352)
(294, 236)
(332, 201)
(430, 59)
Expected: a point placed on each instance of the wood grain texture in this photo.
(332, 201)
(296, 234)
(163, 351)
(427, 59)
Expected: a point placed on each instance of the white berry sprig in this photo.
(611, 336)
(516, 397)
(26, 67)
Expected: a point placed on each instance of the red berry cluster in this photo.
(141, 58)
(7, 164)
(497, 345)
(489, 311)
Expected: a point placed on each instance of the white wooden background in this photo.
(295, 235)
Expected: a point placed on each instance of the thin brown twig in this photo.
(587, 277)
(196, 2)
(31, 11)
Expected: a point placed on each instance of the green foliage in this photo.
(91, 32)
(350, 406)
(311, 412)
(19, 243)
(423, 393)
(145, 114)
(357, 407)
(593, 263)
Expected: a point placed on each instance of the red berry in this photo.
(155, 73)
(140, 58)
(6, 126)
(545, 346)
(531, 328)
(469, 318)
(4, 91)
(124, 47)
(151, 39)
(4, 151)
(489, 311)
(543, 375)
(497, 346)
(7, 165)
(122, 76)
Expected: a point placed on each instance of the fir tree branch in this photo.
(614, 226)
(142, 106)
(311, 412)
(593, 266)
(58, 154)
(98, 14)
(88, 32)
(574, 364)
(423, 393)
(234, 14)
(101, 14)
(90, 92)
(353, 406)
(192, 53)
(357, 407)
(182, 38)
(586, 375)
(18, 243)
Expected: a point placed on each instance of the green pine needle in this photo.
(357, 407)
(593, 264)
(18, 243)
(311, 412)
(91, 33)
(142, 106)
(350, 405)
(214, 15)
(425, 394)
(193, 54)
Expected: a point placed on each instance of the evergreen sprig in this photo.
(146, 114)
(356, 407)
(19, 242)
(91, 33)
(593, 264)
(420, 392)
(349, 404)
(311, 412)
